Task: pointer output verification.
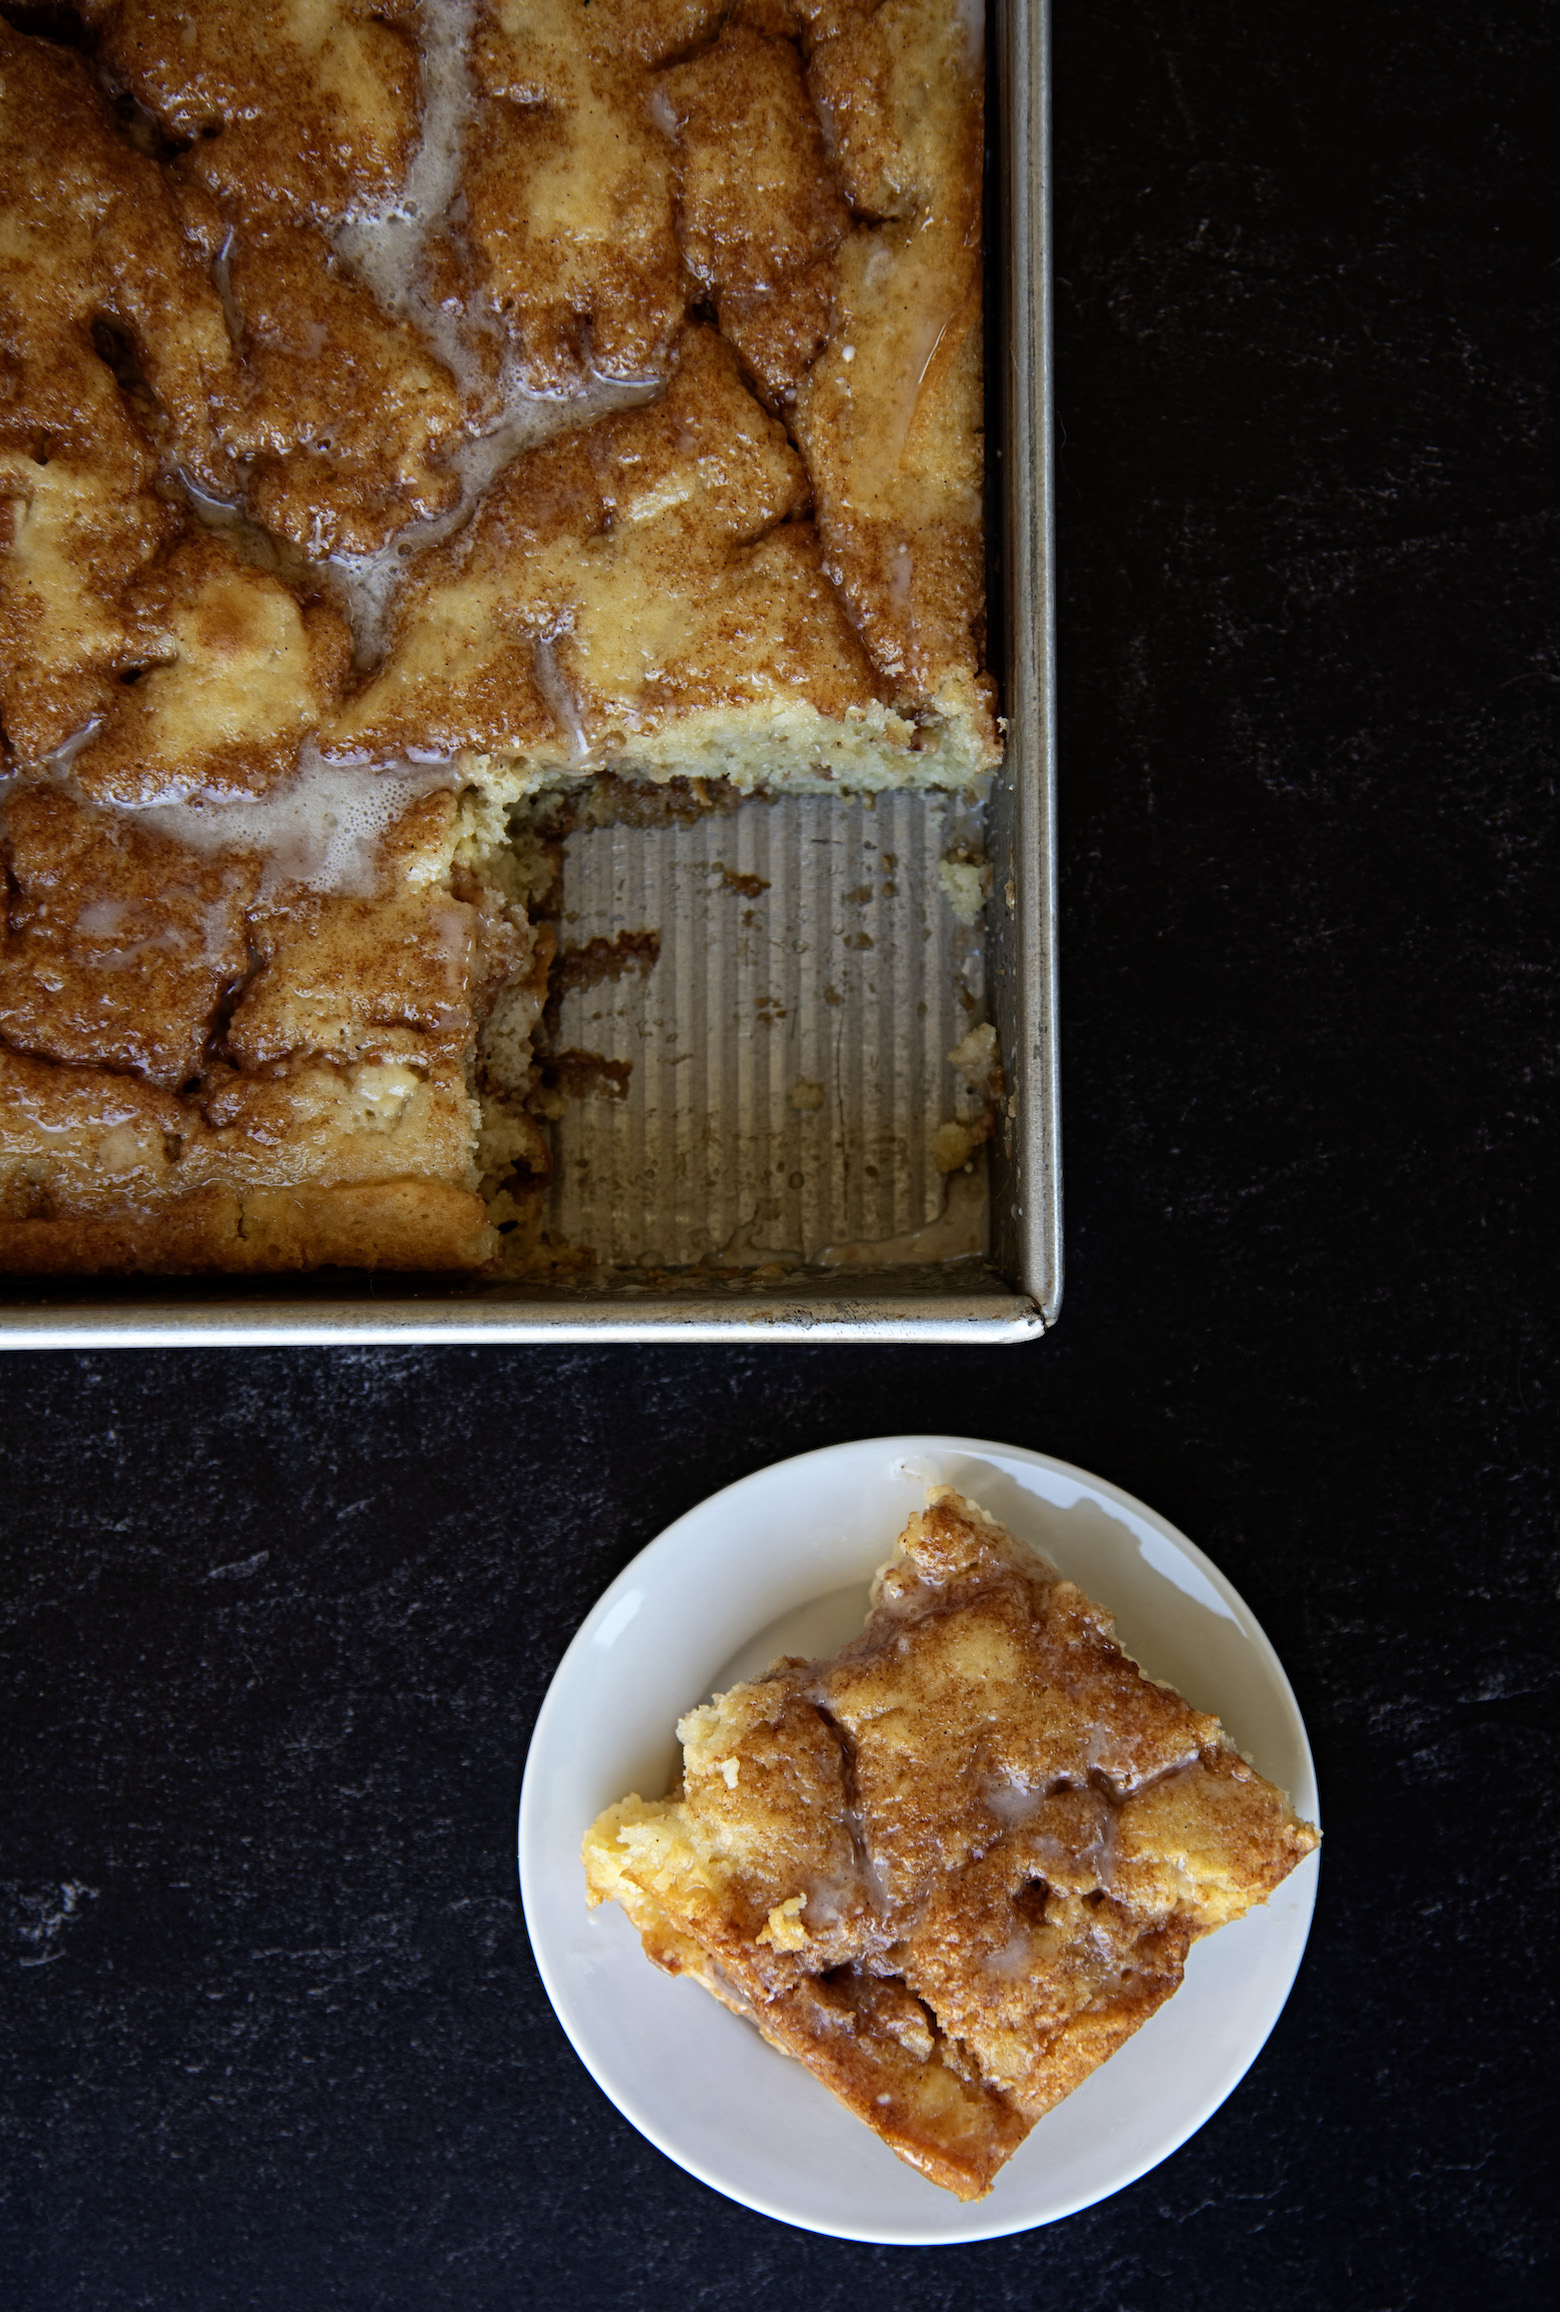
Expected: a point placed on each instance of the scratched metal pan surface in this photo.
(765, 1166)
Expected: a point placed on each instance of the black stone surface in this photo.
(274, 1627)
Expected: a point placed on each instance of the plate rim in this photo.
(528, 1837)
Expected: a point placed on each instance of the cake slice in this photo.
(252, 1032)
(954, 1868)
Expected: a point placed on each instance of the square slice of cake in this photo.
(955, 1867)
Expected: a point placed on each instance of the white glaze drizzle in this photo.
(320, 832)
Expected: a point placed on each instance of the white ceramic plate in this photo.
(780, 1563)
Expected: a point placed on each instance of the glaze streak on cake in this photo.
(953, 1869)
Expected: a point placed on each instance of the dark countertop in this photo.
(275, 1625)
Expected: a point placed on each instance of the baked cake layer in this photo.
(405, 408)
(206, 1004)
(955, 1867)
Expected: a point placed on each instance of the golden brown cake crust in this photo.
(644, 570)
(958, 1865)
(760, 238)
(395, 1224)
(205, 1061)
(569, 186)
(201, 303)
(92, 265)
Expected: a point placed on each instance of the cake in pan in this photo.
(406, 410)
(957, 1866)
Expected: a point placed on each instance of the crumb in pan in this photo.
(954, 1868)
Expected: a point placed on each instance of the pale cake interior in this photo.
(405, 410)
(955, 1867)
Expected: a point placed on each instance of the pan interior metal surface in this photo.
(759, 1012)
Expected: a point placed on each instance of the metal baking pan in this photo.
(764, 1168)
